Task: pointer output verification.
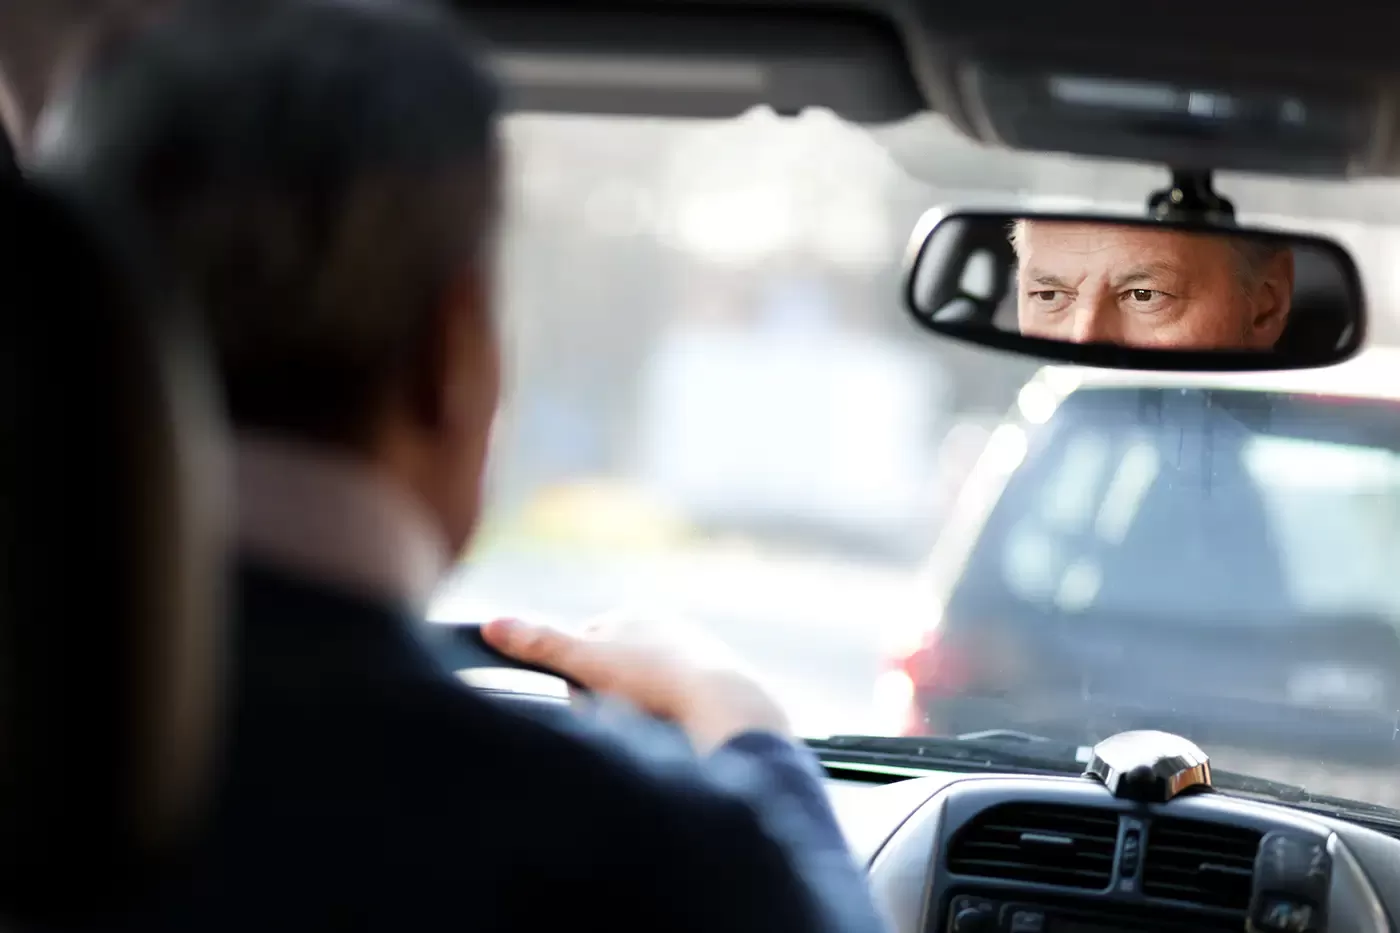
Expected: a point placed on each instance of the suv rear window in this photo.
(1198, 503)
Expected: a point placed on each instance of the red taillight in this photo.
(936, 667)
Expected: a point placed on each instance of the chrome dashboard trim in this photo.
(1149, 766)
(901, 874)
(1352, 903)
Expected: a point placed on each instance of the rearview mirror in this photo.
(1136, 293)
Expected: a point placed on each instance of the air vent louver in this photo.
(1070, 847)
(1204, 863)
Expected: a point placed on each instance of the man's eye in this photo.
(1146, 300)
(1045, 295)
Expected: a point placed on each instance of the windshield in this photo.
(717, 408)
(1203, 506)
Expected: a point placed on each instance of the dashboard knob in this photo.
(973, 920)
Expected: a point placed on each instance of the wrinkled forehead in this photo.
(1093, 244)
(1087, 237)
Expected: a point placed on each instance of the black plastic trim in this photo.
(1133, 358)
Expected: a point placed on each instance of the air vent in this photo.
(1071, 847)
(1204, 863)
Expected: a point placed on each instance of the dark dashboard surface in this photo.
(1041, 853)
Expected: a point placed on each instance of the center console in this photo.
(1140, 844)
(976, 913)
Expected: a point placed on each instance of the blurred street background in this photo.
(719, 409)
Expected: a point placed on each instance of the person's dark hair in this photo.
(315, 172)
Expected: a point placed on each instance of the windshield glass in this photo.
(1174, 502)
(718, 409)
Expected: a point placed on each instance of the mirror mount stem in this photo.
(1191, 197)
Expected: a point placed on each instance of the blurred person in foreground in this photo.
(35, 37)
(324, 178)
(33, 34)
(1134, 286)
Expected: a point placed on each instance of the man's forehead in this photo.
(1059, 242)
(1094, 237)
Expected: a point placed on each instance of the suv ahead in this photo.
(1213, 556)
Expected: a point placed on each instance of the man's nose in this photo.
(1095, 321)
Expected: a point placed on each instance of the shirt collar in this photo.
(325, 515)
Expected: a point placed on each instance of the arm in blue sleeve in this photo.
(752, 851)
(756, 846)
(743, 840)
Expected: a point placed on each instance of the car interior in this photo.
(1147, 838)
(970, 851)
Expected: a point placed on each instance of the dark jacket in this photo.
(369, 789)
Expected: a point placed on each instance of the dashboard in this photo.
(976, 853)
(1144, 846)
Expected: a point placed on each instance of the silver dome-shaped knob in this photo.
(1149, 766)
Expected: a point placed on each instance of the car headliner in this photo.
(879, 61)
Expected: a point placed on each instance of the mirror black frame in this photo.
(1109, 356)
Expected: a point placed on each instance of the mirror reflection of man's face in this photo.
(1132, 286)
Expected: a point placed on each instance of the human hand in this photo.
(667, 670)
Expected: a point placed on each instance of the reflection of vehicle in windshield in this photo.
(1216, 562)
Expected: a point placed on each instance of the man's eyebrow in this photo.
(1037, 277)
(1148, 272)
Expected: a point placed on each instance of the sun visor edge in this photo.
(1207, 123)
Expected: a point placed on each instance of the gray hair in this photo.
(1254, 256)
(315, 172)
